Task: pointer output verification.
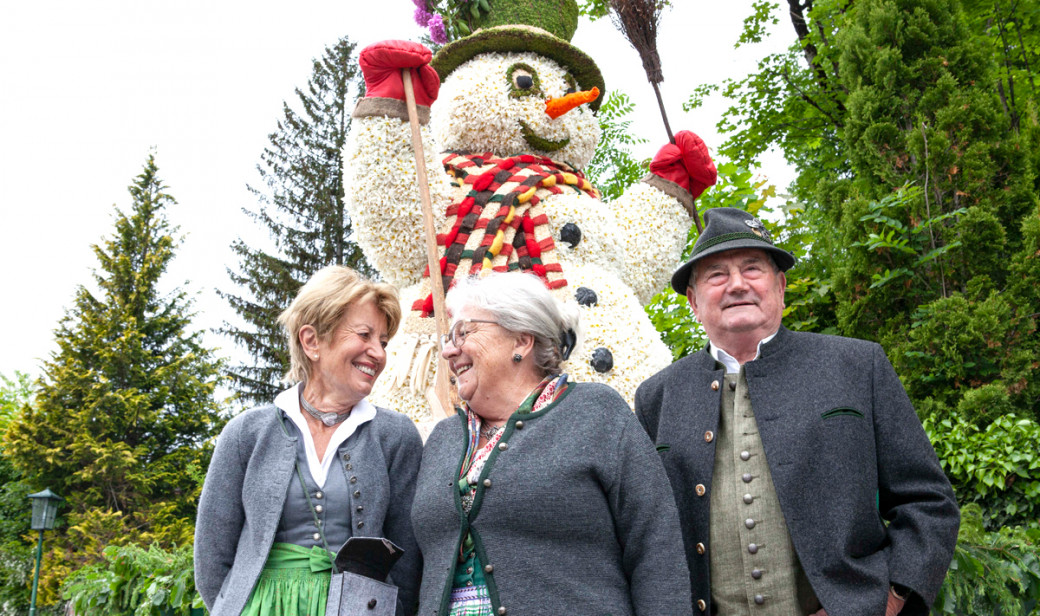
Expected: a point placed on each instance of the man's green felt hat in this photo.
(542, 26)
(727, 228)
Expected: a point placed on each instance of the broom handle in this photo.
(664, 116)
(442, 389)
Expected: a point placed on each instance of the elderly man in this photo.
(804, 480)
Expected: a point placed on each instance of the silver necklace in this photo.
(329, 419)
(489, 432)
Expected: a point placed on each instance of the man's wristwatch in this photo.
(899, 591)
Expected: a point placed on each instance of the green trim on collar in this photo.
(551, 405)
(478, 497)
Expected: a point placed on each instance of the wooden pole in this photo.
(664, 115)
(440, 398)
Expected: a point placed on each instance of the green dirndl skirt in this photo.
(294, 582)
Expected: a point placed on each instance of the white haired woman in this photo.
(290, 482)
(541, 496)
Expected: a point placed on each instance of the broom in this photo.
(637, 20)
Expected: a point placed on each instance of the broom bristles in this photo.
(637, 20)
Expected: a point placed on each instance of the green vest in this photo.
(754, 568)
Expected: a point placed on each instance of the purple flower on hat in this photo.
(437, 30)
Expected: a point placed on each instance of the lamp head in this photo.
(44, 509)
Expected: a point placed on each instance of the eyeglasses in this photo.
(457, 335)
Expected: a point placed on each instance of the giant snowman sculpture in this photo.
(505, 140)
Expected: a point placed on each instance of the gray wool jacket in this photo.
(864, 497)
(246, 487)
(572, 515)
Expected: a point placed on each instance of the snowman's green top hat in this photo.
(542, 26)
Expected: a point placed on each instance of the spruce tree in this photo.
(301, 207)
(124, 414)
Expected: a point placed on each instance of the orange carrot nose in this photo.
(556, 107)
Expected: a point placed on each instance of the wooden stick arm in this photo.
(442, 388)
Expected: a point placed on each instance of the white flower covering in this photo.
(383, 197)
(652, 227)
(639, 236)
(599, 243)
(618, 323)
(627, 252)
(474, 111)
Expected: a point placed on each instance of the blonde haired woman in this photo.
(290, 482)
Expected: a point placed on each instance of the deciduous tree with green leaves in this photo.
(614, 168)
(301, 207)
(125, 408)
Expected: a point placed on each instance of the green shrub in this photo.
(992, 572)
(997, 467)
(144, 582)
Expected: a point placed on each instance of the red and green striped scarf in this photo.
(497, 222)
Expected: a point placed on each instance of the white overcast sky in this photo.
(87, 89)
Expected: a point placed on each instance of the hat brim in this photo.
(518, 39)
(681, 278)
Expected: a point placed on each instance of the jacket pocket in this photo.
(841, 411)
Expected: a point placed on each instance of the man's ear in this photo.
(308, 337)
(691, 296)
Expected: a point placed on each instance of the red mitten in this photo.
(381, 64)
(685, 162)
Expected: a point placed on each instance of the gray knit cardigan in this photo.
(246, 487)
(573, 514)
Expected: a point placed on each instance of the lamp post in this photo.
(44, 510)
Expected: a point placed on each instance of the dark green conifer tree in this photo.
(124, 414)
(927, 267)
(301, 206)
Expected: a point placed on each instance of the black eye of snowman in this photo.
(523, 81)
(572, 85)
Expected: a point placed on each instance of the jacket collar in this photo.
(766, 351)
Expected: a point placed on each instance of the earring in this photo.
(517, 358)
